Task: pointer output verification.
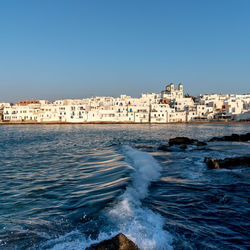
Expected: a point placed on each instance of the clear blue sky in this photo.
(53, 49)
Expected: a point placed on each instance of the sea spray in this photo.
(127, 215)
(74, 240)
(140, 224)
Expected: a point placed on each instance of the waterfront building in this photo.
(168, 106)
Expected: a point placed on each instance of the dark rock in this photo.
(119, 242)
(201, 143)
(211, 163)
(202, 148)
(164, 148)
(227, 162)
(183, 147)
(245, 137)
(168, 148)
(181, 140)
(181, 143)
(233, 137)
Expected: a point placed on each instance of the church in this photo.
(171, 93)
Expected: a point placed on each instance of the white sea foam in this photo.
(140, 224)
(74, 240)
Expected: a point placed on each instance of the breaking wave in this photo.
(127, 215)
(140, 224)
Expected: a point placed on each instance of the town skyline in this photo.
(133, 95)
(170, 105)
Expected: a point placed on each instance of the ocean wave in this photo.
(127, 215)
(138, 223)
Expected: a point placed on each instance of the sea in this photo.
(69, 186)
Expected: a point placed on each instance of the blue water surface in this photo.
(68, 186)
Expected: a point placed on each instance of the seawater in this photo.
(69, 186)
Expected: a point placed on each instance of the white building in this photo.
(171, 93)
(169, 106)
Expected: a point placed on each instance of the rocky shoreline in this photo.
(233, 137)
(227, 162)
(181, 143)
(120, 241)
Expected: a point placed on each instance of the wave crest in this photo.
(141, 225)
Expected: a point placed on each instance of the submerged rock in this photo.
(201, 143)
(203, 149)
(164, 148)
(233, 137)
(168, 148)
(183, 146)
(227, 162)
(181, 141)
(118, 242)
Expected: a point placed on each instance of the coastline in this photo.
(130, 123)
